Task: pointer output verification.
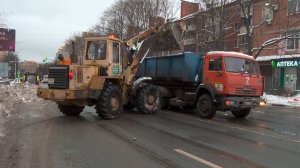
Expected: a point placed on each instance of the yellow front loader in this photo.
(105, 78)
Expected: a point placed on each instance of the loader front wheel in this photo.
(110, 103)
(148, 99)
(70, 110)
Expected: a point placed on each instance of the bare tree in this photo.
(125, 18)
(246, 10)
(213, 22)
(2, 20)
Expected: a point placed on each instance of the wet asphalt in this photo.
(41, 137)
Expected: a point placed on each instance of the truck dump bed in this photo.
(184, 67)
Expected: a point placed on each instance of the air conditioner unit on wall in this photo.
(275, 7)
(268, 22)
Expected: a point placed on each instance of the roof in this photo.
(228, 53)
(276, 57)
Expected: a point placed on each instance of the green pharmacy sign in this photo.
(282, 64)
(115, 70)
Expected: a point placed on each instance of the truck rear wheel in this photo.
(70, 110)
(148, 99)
(241, 113)
(205, 107)
(110, 103)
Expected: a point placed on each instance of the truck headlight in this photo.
(262, 103)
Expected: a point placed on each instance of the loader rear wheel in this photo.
(148, 99)
(110, 103)
(241, 113)
(205, 107)
(70, 110)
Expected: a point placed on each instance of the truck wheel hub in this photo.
(204, 106)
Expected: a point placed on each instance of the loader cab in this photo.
(104, 52)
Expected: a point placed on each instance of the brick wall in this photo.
(275, 28)
(188, 8)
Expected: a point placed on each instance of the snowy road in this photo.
(42, 137)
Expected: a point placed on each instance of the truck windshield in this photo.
(241, 65)
(96, 50)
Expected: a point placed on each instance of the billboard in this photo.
(4, 70)
(7, 39)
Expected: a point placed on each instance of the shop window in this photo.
(293, 40)
(293, 7)
(298, 79)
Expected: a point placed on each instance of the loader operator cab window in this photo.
(96, 50)
(116, 52)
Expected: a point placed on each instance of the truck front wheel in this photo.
(70, 110)
(148, 99)
(205, 107)
(110, 103)
(241, 113)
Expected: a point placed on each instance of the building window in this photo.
(242, 39)
(236, 27)
(190, 34)
(236, 44)
(225, 45)
(215, 64)
(293, 40)
(267, 12)
(293, 7)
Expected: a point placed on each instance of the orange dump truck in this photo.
(217, 81)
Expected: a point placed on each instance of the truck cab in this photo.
(235, 78)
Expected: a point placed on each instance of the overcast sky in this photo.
(43, 25)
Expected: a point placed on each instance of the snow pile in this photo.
(281, 100)
(10, 95)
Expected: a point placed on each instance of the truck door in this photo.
(116, 67)
(213, 73)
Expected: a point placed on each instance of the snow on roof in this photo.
(227, 52)
(276, 57)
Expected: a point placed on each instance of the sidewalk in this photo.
(282, 101)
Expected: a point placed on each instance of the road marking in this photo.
(239, 128)
(197, 158)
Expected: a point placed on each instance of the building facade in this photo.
(279, 62)
(273, 23)
(27, 66)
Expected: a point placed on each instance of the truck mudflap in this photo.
(233, 103)
(61, 95)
